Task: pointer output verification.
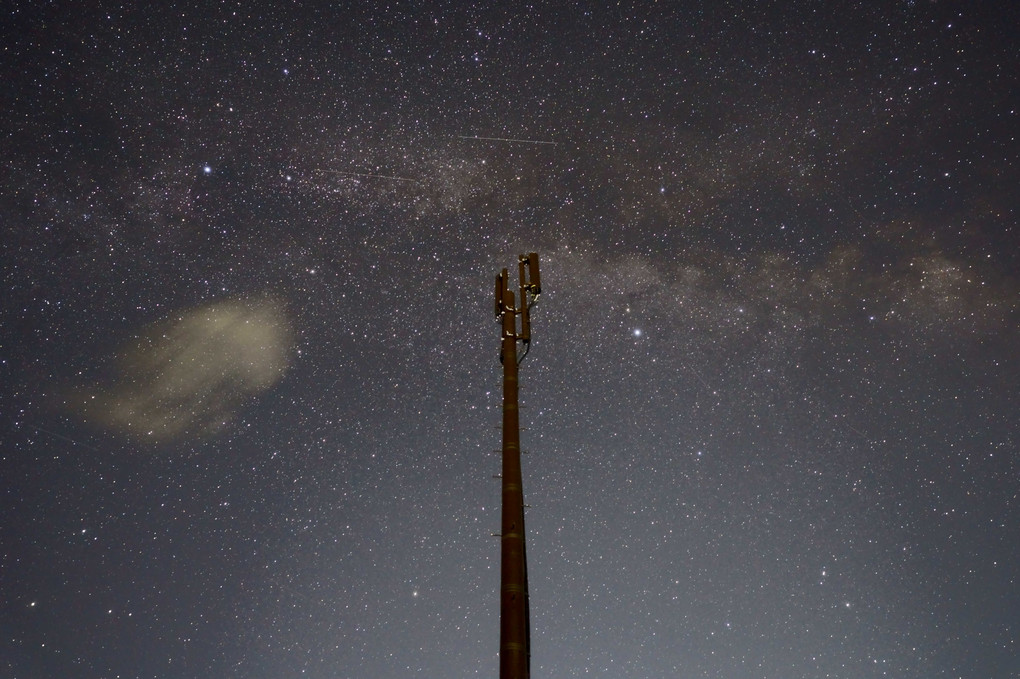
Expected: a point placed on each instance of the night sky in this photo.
(249, 366)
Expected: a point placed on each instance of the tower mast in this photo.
(514, 624)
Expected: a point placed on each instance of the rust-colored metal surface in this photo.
(514, 624)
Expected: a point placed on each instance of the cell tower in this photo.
(514, 624)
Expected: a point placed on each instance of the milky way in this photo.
(251, 375)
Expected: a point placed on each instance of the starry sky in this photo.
(250, 376)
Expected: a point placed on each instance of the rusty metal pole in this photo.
(514, 624)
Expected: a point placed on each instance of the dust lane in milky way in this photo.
(252, 377)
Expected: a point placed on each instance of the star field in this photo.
(251, 383)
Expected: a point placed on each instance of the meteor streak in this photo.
(67, 439)
(373, 176)
(513, 141)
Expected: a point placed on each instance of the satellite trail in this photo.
(512, 141)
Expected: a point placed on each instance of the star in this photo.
(277, 405)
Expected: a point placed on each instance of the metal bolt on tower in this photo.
(514, 625)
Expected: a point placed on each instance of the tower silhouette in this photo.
(514, 623)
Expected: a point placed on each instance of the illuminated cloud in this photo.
(190, 374)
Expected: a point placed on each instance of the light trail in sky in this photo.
(372, 176)
(506, 139)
